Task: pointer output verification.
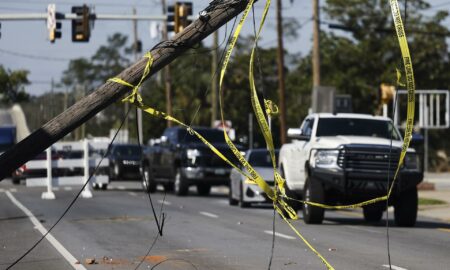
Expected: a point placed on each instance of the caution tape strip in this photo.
(278, 200)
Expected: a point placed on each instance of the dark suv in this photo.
(181, 160)
(125, 162)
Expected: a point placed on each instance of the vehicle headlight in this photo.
(325, 159)
(411, 161)
(192, 153)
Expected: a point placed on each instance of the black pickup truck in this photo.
(180, 160)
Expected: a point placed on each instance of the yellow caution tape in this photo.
(252, 176)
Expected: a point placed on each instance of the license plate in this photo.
(220, 171)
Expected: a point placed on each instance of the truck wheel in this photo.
(180, 186)
(313, 192)
(168, 187)
(242, 203)
(405, 208)
(231, 200)
(16, 181)
(203, 190)
(372, 215)
(148, 183)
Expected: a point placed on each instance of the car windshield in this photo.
(261, 158)
(127, 151)
(356, 127)
(211, 135)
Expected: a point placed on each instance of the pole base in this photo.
(48, 195)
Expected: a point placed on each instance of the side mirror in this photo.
(296, 133)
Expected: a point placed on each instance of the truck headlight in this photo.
(325, 159)
(192, 155)
(411, 161)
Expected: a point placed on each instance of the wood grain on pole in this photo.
(213, 17)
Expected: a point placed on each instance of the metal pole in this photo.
(138, 111)
(214, 83)
(316, 42)
(281, 86)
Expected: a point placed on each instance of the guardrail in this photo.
(72, 162)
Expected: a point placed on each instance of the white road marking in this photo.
(55, 189)
(121, 187)
(362, 229)
(132, 193)
(280, 235)
(55, 243)
(209, 214)
(165, 202)
(394, 267)
(13, 190)
(68, 188)
(2, 190)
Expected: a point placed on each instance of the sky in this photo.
(25, 44)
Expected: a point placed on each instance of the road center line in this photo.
(164, 202)
(55, 243)
(209, 214)
(280, 235)
(394, 267)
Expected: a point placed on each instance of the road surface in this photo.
(116, 227)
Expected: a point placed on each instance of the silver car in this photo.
(242, 190)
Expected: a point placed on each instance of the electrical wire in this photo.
(74, 199)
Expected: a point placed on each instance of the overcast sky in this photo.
(25, 44)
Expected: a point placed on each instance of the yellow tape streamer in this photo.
(279, 204)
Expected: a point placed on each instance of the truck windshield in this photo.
(211, 135)
(356, 127)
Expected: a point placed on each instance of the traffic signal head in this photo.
(182, 11)
(53, 25)
(81, 29)
(386, 93)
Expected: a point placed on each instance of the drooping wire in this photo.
(74, 199)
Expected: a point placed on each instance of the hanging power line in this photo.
(34, 57)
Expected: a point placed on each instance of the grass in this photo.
(428, 201)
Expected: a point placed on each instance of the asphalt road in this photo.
(116, 227)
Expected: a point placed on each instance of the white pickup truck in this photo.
(348, 158)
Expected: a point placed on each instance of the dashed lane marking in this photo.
(285, 236)
(13, 190)
(55, 243)
(121, 187)
(207, 214)
(68, 188)
(394, 267)
(165, 202)
(133, 194)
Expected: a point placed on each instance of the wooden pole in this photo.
(281, 85)
(212, 18)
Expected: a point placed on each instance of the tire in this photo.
(148, 182)
(112, 175)
(242, 203)
(405, 208)
(203, 190)
(181, 188)
(313, 192)
(372, 214)
(95, 186)
(231, 201)
(16, 181)
(104, 186)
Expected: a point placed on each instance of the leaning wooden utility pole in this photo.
(316, 44)
(214, 16)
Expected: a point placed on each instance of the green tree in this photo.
(12, 85)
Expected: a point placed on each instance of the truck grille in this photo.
(368, 158)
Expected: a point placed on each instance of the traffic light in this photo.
(386, 93)
(177, 16)
(81, 29)
(170, 18)
(53, 25)
(182, 11)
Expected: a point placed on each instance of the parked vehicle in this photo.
(125, 162)
(348, 158)
(181, 160)
(242, 190)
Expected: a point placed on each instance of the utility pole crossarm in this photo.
(212, 18)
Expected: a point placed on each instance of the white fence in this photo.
(77, 160)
